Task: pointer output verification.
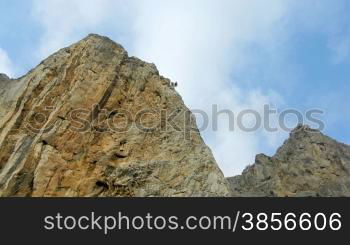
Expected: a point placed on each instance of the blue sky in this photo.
(237, 54)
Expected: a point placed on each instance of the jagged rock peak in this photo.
(72, 127)
(308, 164)
(3, 77)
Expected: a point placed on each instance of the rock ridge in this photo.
(308, 164)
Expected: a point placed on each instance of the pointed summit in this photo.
(3, 77)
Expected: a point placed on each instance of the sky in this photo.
(234, 54)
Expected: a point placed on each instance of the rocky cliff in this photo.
(308, 164)
(92, 121)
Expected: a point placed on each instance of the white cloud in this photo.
(66, 21)
(5, 63)
(200, 44)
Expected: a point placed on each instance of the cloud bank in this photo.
(208, 47)
(200, 44)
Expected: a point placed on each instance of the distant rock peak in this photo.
(4, 77)
(307, 164)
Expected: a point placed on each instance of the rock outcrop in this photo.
(3, 78)
(308, 164)
(92, 121)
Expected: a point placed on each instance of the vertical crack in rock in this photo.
(15, 161)
(107, 94)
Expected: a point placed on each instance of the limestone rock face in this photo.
(308, 164)
(91, 121)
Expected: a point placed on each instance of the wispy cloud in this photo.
(201, 44)
(6, 65)
(65, 21)
(329, 18)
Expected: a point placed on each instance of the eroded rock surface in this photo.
(308, 164)
(62, 130)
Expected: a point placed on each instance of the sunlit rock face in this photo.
(90, 121)
(308, 164)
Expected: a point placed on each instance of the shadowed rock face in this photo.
(308, 164)
(3, 77)
(61, 130)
